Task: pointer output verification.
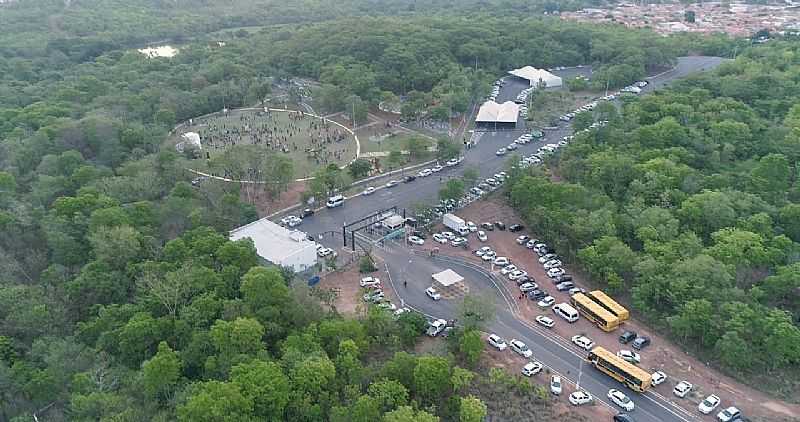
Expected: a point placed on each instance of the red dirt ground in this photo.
(660, 355)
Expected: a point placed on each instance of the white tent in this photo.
(492, 112)
(536, 76)
(447, 278)
(189, 139)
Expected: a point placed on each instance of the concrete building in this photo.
(279, 245)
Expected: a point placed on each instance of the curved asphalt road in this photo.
(555, 352)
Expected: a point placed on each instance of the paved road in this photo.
(555, 352)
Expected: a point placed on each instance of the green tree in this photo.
(470, 345)
(396, 159)
(453, 189)
(408, 414)
(359, 168)
(582, 120)
(476, 311)
(734, 352)
(461, 379)
(695, 320)
(389, 394)
(472, 409)
(771, 177)
(470, 176)
(447, 149)
(417, 147)
(160, 374)
(411, 326)
(215, 401)
(265, 384)
(265, 293)
(431, 378)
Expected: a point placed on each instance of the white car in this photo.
(482, 251)
(392, 183)
(583, 342)
(482, 236)
(488, 256)
(545, 321)
(555, 384)
(546, 302)
(657, 378)
(620, 399)
(425, 173)
(729, 414)
(532, 368)
(629, 356)
(471, 227)
(452, 162)
(374, 296)
(401, 311)
(437, 168)
(369, 282)
(291, 221)
(439, 238)
(682, 389)
(449, 235)
(521, 348)
(502, 261)
(388, 306)
(531, 243)
(555, 272)
(368, 191)
(708, 405)
(522, 239)
(547, 257)
(432, 293)
(416, 240)
(516, 275)
(508, 269)
(580, 397)
(323, 252)
(527, 287)
(501, 151)
(554, 263)
(497, 342)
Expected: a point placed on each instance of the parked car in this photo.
(307, 212)
(482, 236)
(502, 261)
(437, 237)
(532, 368)
(513, 276)
(497, 342)
(564, 277)
(409, 179)
(508, 269)
(516, 228)
(368, 191)
(548, 257)
(555, 385)
(369, 281)
(472, 227)
(527, 287)
(392, 183)
(500, 225)
(522, 239)
(620, 399)
(729, 414)
(553, 263)
(627, 337)
(708, 405)
(682, 389)
(583, 342)
(564, 286)
(483, 250)
(425, 173)
(501, 151)
(629, 356)
(641, 342)
(657, 378)
(545, 321)
(555, 272)
(546, 302)
(416, 240)
(531, 243)
(487, 226)
(432, 293)
(578, 398)
(374, 296)
(521, 348)
(622, 417)
(536, 294)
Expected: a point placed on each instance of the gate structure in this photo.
(362, 228)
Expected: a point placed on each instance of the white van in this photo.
(566, 311)
(335, 201)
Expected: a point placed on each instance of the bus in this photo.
(594, 312)
(632, 376)
(611, 305)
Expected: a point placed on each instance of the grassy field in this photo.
(307, 141)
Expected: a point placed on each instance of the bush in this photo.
(366, 265)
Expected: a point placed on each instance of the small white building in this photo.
(536, 76)
(449, 284)
(279, 245)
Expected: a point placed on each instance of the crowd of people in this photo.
(321, 139)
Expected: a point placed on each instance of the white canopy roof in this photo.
(490, 111)
(534, 75)
(447, 278)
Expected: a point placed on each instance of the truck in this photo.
(435, 327)
(455, 223)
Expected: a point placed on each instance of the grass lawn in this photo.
(307, 141)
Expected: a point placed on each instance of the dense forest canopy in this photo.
(121, 300)
(688, 200)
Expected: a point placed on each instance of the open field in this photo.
(310, 142)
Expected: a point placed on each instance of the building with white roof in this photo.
(535, 77)
(498, 116)
(279, 245)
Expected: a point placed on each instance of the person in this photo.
(405, 283)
